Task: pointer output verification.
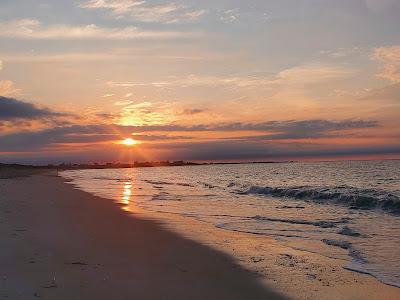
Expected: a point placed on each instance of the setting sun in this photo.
(129, 142)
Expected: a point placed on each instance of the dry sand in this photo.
(61, 243)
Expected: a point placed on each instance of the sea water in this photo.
(323, 207)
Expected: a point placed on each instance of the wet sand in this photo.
(295, 273)
(61, 243)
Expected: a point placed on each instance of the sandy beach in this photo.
(62, 243)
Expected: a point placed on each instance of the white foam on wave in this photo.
(353, 197)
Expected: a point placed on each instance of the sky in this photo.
(220, 80)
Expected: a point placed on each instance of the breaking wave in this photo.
(354, 198)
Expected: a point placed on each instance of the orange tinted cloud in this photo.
(390, 57)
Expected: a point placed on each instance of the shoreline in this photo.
(62, 243)
(197, 258)
(298, 273)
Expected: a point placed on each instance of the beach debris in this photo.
(53, 284)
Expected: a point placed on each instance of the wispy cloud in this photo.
(341, 53)
(313, 73)
(111, 55)
(229, 15)
(299, 75)
(108, 95)
(141, 11)
(33, 29)
(293, 126)
(118, 7)
(390, 57)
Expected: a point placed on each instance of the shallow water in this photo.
(324, 207)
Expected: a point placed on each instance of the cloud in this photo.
(307, 129)
(74, 134)
(7, 88)
(229, 15)
(270, 126)
(296, 76)
(118, 7)
(313, 73)
(11, 109)
(153, 138)
(389, 94)
(33, 29)
(282, 136)
(390, 57)
(108, 95)
(341, 53)
(168, 13)
(28, 140)
(193, 111)
(237, 150)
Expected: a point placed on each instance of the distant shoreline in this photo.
(130, 166)
(153, 164)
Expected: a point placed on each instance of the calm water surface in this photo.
(320, 207)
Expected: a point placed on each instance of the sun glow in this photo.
(129, 142)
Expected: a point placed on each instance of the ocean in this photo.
(347, 210)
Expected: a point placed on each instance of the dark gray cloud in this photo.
(295, 126)
(283, 136)
(13, 109)
(271, 144)
(75, 134)
(148, 137)
(272, 126)
(237, 150)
